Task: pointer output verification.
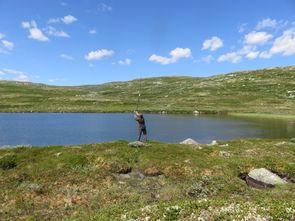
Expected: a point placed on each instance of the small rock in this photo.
(196, 112)
(58, 154)
(266, 176)
(189, 141)
(136, 144)
(214, 142)
(126, 176)
(224, 153)
(224, 145)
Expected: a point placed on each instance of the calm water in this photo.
(44, 129)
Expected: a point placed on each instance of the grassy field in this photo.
(112, 181)
(267, 91)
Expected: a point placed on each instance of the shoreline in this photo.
(263, 115)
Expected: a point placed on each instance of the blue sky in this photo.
(71, 42)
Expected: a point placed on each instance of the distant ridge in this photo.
(269, 90)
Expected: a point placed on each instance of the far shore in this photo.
(262, 115)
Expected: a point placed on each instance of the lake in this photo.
(43, 129)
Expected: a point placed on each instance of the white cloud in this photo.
(175, 54)
(11, 71)
(66, 56)
(285, 44)
(127, 61)
(212, 44)
(19, 75)
(99, 54)
(252, 54)
(233, 57)
(68, 19)
(5, 45)
(160, 59)
(25, 24)
(92, 31)
(2, 35)
(178, 53)
(208, 59)
(267, 23)
(35, 32)
(52, 31)
(8, 44)
(249, 51)
(242, 28)
(257, 38)
(53, 20)
(55, 80)
(265, 55)
(63, 4)
(104, 7)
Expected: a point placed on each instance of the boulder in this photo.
(136, 144)
(214, 142)
(189, 141)
(196, 112)
(265, 176)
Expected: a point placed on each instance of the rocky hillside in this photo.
(261, 91)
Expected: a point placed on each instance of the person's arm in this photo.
(136, 115)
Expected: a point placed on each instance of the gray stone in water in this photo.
(189, 141)
(136, 144)
(196, 112)
(266, 176)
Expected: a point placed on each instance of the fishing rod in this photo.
(138, 98)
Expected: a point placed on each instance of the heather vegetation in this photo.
(160, 181)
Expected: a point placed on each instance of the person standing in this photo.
(141, 125)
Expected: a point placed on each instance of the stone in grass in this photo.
(214, 142)
(189, 141)
(137, 144)
(33, 187)
(265, 176)
(292, 140)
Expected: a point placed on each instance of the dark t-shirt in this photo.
(140, 121)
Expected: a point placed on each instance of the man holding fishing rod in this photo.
(141, 125)
(139, 118)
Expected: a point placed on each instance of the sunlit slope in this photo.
(261, 91)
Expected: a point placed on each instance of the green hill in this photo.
(261, 91)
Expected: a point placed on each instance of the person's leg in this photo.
(145, 134)
(139, 135)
